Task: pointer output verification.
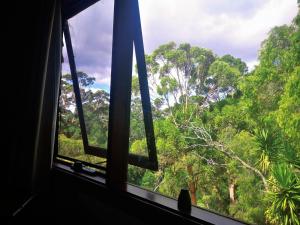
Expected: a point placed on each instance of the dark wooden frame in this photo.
(126, 32)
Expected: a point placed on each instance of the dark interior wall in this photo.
(27, 34)
(69, 201)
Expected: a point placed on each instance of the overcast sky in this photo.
(235, 27)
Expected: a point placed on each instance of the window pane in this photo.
(137, 138)
(224, 93)
(91, 34)
(69, 139)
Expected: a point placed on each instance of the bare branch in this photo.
(159, 182)
(246, 165)
(202, 134)
(210, 161)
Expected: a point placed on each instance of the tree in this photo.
(285, 196)
(235, 62)
(288, 114)
(223, 79)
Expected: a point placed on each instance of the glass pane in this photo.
(223, 77)
(91, 34)
(69, 138)
(69, 141)
(137, 137)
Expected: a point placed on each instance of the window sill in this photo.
(197, 215)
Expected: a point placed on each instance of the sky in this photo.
(235, 27)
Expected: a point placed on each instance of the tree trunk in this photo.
(192, 185)
(232, 191)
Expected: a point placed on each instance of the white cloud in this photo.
(91, 33)
(234, 27)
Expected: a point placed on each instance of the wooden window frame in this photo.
(126, 32)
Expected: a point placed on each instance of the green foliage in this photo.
(243, 144)
(285, 196)
(135, 175)
(174, 180)
(288, 115)
(149, 180)
(223, 75)
(70, 147)
(269, 146)
(139, 147)
(249, 205)
(235, 62)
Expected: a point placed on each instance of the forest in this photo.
(229, 135)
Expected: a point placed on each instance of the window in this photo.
(84, 98)
(217, 88)
(92, 108)
(218, 112)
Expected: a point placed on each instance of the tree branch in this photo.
(202, 134)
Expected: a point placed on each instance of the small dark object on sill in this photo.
(79, 167)
(184, 201)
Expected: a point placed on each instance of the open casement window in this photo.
(136, 39)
